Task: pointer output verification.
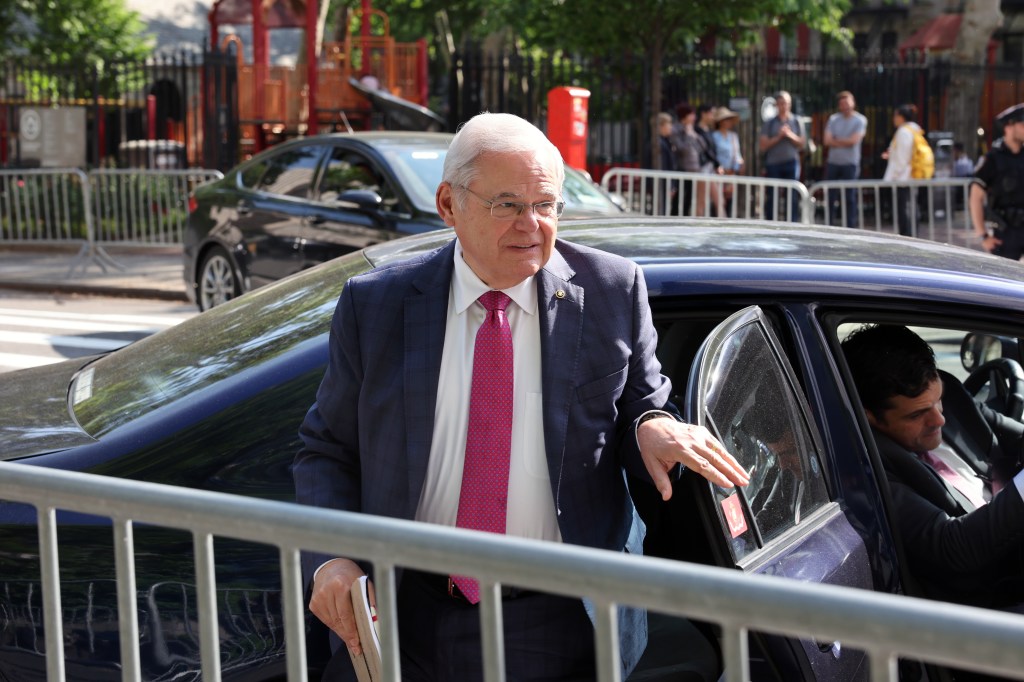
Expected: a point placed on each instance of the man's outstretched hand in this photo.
(667, 442)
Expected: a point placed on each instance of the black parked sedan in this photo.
(312, 199)
(748, 316)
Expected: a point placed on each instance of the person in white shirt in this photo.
(899, 155)
(570, 394)
(960, 516)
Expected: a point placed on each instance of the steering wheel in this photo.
(1005, 379)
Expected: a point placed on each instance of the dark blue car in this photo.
(749, 320)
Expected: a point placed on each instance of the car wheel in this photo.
(217, 280)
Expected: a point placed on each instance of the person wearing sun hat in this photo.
(727, 149)
(997, 190)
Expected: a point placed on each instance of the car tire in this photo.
(217, 282)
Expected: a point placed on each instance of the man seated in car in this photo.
(960, 517)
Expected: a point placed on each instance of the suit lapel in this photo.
(426, 311)
(560, 310)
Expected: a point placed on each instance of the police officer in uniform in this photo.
(999, 182)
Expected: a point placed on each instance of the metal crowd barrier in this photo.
(124, 206)
(138, 206)
(49, 206)
(652, 192)
(939, 207)
(886, 627)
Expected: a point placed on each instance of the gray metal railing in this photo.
(39, 205)
(652, 192)
(886, 627)
(939, 205)
(136, 207)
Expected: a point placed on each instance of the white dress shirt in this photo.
(955, 462)
(531, 508)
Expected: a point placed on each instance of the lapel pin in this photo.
(559, 293)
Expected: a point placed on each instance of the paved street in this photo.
(38, 329)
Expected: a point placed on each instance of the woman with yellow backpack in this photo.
(910, 157)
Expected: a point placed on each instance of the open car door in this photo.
(785, 522)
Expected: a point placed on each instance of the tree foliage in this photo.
(591, 27)
(71, 31)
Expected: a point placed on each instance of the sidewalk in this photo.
(134, 272)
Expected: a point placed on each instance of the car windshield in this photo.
(223, 343)
(418, 167)
(583, 195)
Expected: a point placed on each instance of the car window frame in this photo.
(401, 203)
(696, 413)
(267, 162)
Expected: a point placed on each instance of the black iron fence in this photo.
(190, 100)
(187, 100)
(620, 109)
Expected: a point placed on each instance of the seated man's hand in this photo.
(332, 603)
(666, 442)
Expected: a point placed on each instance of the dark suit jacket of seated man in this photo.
(956, 550)
(387, 434)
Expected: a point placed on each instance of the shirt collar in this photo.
(468, 287)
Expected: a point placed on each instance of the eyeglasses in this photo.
(504, 210)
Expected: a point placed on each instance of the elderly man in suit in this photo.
(960, 514)
(506, 358)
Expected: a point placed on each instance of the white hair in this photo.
(489, 133)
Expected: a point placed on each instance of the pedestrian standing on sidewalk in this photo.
(999, 183)
(899, 155)
(709, 164)
(782, 139)
(727, 151)
(669, 194)
(686, 144)
(844, 132)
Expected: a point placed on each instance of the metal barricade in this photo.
(935, 209)
(67, 206)
(148, 207)
(42, 205)
(652, 192)
(886, 627)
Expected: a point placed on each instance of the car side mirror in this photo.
(977, 349)
(361, 199)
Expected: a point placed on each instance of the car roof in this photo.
(780, 259)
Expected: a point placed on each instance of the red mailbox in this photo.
(567, 124)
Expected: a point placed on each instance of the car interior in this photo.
(766, 426)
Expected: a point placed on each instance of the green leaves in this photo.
(72, 32)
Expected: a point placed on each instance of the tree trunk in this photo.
(981, 18)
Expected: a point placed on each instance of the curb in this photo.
(95, 289)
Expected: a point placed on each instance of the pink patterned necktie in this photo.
(484, 497)
(952, 477)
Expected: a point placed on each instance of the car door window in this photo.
(347, 170)
(744, 390)
(289, 173)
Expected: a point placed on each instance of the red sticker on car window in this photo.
(733, 510)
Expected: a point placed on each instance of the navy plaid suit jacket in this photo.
(367, 438)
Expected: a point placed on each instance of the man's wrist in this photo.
(648, 416)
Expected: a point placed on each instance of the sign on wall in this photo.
(52, 138)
